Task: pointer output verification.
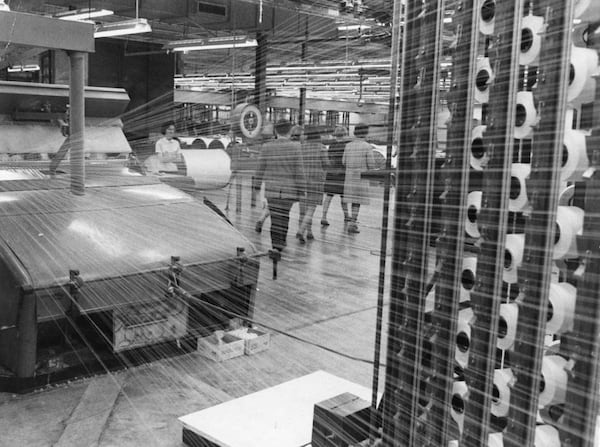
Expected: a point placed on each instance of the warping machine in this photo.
(495, 304)
(130, 270)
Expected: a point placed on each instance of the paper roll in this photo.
(483, 79)
(463, 337)
(513, 256)
(467, 278)
(526, 115)
(518, 186)
(460, 392)
(582, 85)
(561, 308)
(580, 34)
(587, 10)
(507, 331)
(569, 224)
(574, 160)
(532, 28)
(501, 392)
(473, 208)
(487, 14)
(495, 440)
(553, 387)
(566, 196)
(209, 168)
(430, 301)
(478, 158)
(546, 436)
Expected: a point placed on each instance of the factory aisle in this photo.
(321, 309)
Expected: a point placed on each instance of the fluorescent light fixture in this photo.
(353, 27)
(20, 68)
(83, 14)
(134, 26)
(311, 68)
(211, 43)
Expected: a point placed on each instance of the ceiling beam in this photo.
(37, 31)
(302, 7)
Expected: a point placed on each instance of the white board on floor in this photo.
(280, 416)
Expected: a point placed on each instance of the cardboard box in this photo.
(229, 347)
(341, 421)
(255, 339)
(260, 343)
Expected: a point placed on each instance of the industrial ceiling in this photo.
(297, 32)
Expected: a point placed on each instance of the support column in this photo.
(77, 121)
(260, 98)
(260, 74)
(302, 101)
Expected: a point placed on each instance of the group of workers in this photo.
(303, 171)
(296, 167)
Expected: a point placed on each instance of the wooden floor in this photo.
(325, 297)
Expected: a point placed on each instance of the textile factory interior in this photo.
(293, 223)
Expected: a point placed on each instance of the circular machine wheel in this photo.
(247, 120)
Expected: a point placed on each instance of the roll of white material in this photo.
(562, 308)
(209, 168)
(467, 279)
(526, 115)
(546, 436)
(460, 392)
(487, 14)
(553, 389)
(518, 186)
(463, 337)
(532, 28)
(513, 256)
(509, 315)
(495, 440)
(566, 196)
(587, 10)
(579, 34)
(569, 224)
(473, 208)
(483, 79)
(430, 301)
(478, 158)
(582, 85)
(503, 379)
(575, 160)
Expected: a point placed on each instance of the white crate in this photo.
(227, 347)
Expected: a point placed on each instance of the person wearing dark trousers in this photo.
(295, 135)
(358, 157)
(280, 167)
(334, 179)
(315, 163)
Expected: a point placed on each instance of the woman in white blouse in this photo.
(167, 149)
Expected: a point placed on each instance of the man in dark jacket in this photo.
(280, 167)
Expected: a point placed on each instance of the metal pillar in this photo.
(260, 74)
(77, 121)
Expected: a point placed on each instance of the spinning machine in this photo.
(504, 233)
(129, 270)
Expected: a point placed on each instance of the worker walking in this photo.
(281, 168)
(358, 157)
(334, 179)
